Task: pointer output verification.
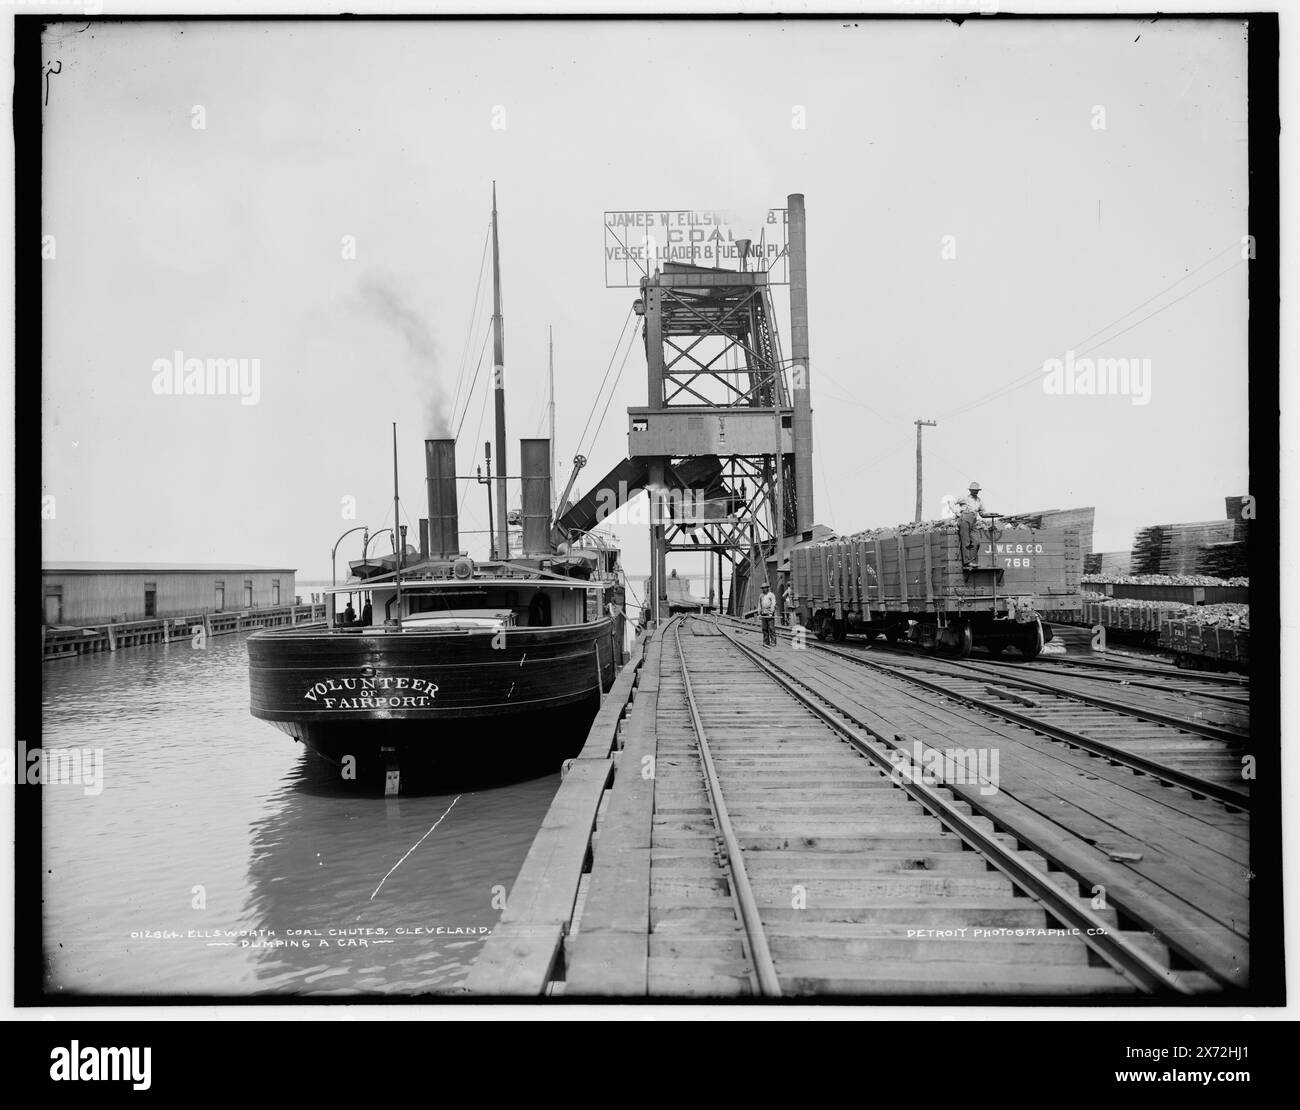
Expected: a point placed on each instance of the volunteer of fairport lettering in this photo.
(418, 693)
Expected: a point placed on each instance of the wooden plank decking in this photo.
(626, 891)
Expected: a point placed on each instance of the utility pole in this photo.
(919, 425)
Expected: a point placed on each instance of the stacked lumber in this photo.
(1231, 556)
(1176, 548)
(1113, 564)
(1228, 559)
(1078, 520)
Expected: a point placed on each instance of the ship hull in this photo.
(431, 693)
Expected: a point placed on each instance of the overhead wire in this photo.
(482, 413)
(473, 316)
(613, 389)
(612, 357)
(469, 396)
(826, 489)
(1036, 374)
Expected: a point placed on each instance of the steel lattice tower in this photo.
(718, 391)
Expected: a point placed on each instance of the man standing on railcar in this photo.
(767, 613)
(969, 511)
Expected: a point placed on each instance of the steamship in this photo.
(505, 651)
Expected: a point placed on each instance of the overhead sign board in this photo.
(640, 240)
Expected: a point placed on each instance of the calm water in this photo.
(198, 794)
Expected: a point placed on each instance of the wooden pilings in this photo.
(66, 643)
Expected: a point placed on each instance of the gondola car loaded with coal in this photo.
(911, 582)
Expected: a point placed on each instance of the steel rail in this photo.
(1193, 783)
(1155, 716)
(1103, 672)
(1112, 663)
(1045, 662)
(764, 968)
(1136, 964)
(1116, 676)
(1087, 664)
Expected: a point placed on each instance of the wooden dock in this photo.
(68, 643)
(737, 825)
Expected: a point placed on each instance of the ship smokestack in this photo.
(801, 430)
(535, 470)
(440, 471)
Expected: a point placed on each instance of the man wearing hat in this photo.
(767, 613)
(969, 511)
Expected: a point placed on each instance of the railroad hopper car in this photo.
(1206, 647)
(1194, 644)
(1142, 621)
(915, 586)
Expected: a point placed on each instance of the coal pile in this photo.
(1163, 580)
(909, 528)
(1229, 615)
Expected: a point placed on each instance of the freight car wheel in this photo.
(955, 640)
(1031, 640)
(891, 634)
(819, 629)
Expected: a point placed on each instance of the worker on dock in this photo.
(767, 614)
(787, 603)
(969, 511)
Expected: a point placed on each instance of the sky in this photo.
(968, 219)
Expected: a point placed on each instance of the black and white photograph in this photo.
(649, 511)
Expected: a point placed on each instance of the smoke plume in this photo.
(380, 296)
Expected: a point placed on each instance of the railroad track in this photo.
(1113, 667)
(1207, 713)
(1175, 677)
(798, 851)
(1202, 753)
(1234, 690)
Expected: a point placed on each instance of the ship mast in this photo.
(398, 546)
(499, 384)
(550, 380)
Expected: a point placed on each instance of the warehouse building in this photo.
(101, 593)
